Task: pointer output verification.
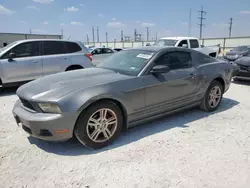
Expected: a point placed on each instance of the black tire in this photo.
(80, 130)
(205, 106)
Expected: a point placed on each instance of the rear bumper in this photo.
(51, 127)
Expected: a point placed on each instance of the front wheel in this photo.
(212, 98)
(99, 125)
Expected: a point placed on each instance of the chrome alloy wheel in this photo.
(102, 125)
(214, 97)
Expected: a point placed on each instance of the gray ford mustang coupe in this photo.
(128, 88)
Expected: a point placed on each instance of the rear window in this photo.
(204, 59)
(53, 48)
(73, 47)
(194, 43)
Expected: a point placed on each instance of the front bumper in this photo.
(51, 127)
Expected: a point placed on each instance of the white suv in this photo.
(26, 60)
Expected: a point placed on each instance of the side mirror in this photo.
(158, 69)
(12, 56)
(184, 46)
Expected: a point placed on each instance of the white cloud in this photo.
(45, 23)
(245, 12)
(32, 7)
(114, 19)
(147, 24)
(81, 5)
(76, 23)
(5, 11)
(71, 9)
(44, 1)
(100, 15)
(116, 24)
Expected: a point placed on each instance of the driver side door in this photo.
(173, 89)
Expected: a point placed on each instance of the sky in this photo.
(163, 17)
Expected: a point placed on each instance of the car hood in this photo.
(54, 87)
(243, 61)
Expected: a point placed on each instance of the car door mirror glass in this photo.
(184, 46)
(158, 69)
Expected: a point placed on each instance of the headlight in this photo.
(49, 108)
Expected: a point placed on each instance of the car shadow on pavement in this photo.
(8, 91)
(241, 82)
(74, 148)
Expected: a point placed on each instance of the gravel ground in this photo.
(190, 149)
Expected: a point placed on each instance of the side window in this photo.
(73, 47)
(107, 51)
(194, 43)
(53, 48)
(183, 43)
(176, 60)
(96, 51)
(27, 49)
(204, 59)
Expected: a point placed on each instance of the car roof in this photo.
(32, 40)
(179, 38)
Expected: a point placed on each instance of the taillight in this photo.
(89, 55)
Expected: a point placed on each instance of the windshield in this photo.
(8, 46)
(165, 42)
(240, 49)
(129, 62)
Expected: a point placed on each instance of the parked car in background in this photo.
(27, 60)
(130, 87)
(237, 53)
(244, 68)
(188, 42)
(99, 54)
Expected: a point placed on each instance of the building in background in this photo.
(7, 38)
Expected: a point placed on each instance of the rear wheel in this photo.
(212, 98)
(99, 125)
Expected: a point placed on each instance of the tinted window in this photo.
(107, 50)
(73, 47)
(96, 51)
(203, 58)
(240, 49)
(27, 49)
(184, 42)
(175, 60)
(53, 47)
(194, 43)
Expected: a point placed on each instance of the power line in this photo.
(230, 27)
(201, 18)
(147, 33)
(97, 33)
(93, 34)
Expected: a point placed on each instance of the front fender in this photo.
(80, 100)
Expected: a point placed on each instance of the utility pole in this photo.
(190, 22)
(147, 33)
(135, 35)
(201, 18)
(30, 31)
(62, 33)
(107, 37)
(121, 35)
(97, 33)
(87, 37)
(230, 27)
(93, 34)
